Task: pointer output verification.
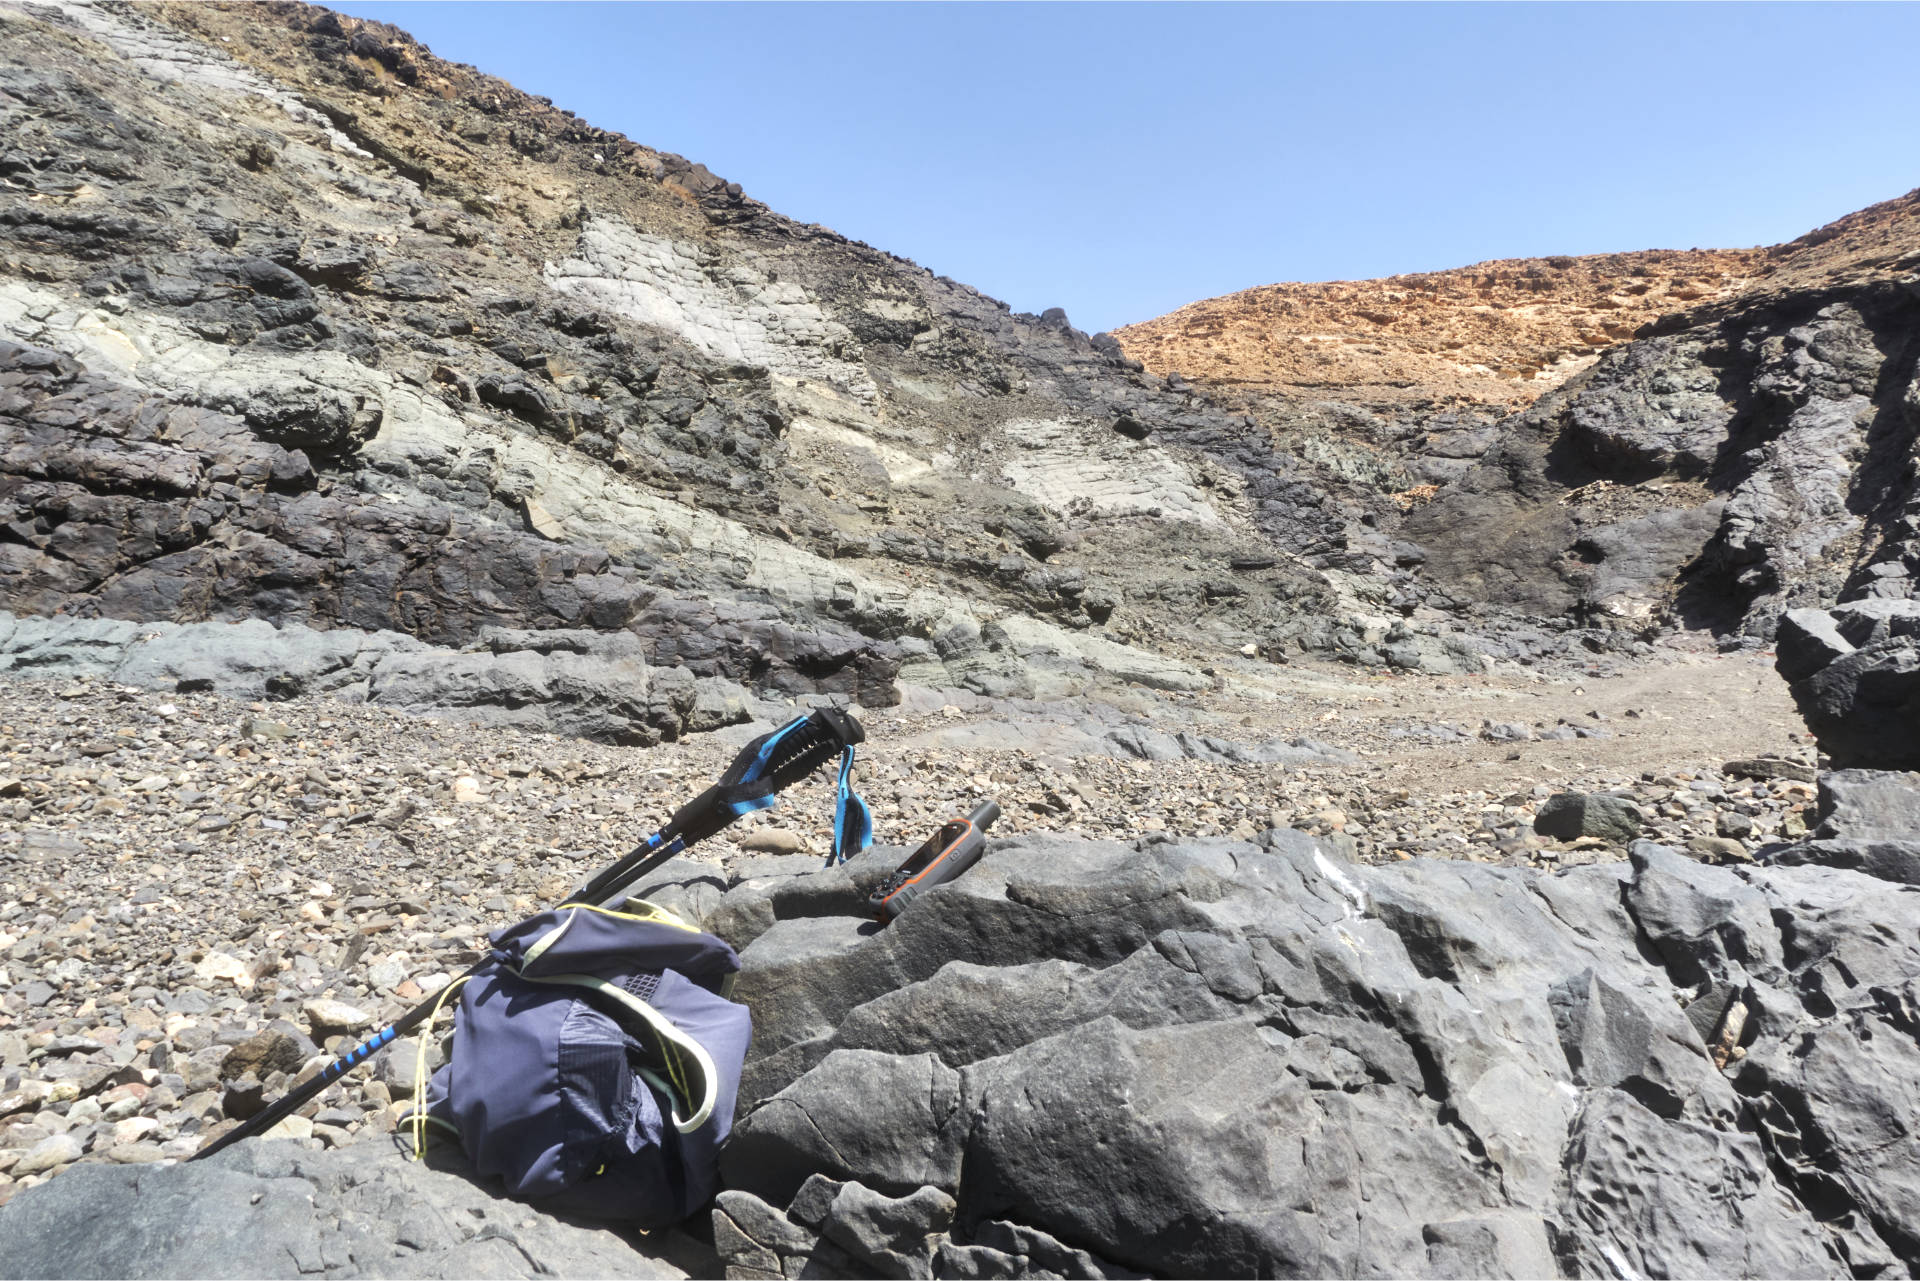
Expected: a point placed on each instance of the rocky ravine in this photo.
(409, 492)
(1739, 443)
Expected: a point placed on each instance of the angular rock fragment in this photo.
(1568, 816)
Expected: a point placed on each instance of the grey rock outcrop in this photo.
(1206, 1058)
(1869, 821)
(1718, 472)
(1855, 674)
(1189, 1058)
(273, 1209)
(579, 683)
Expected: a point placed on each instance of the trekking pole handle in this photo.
(833, 731)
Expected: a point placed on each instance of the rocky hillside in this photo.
(266, 272)
(1740, 443)
(373, 435)
(303, 323)
(1496, 334)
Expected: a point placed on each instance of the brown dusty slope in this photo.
(1497, 334)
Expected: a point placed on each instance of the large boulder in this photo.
(1568, 816)
(1854, 672)
(1212, 1057)
(1869, 821)
(1221, 1058)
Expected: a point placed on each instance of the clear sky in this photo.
(1121, 160)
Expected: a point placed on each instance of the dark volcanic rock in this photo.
(1855, 674)
(1568, 816)
(276, 1210)
(1216, 1058)
(1718, 474)
(1869, 821)
(1211, 1047)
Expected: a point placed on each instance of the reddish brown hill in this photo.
(1499, 333)
(1874, 242)
(1496, 333)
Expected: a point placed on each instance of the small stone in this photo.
(27, 1096)
(264, 1054)
(54, 1150)
(292, 1127)
(135, 1153)
(387, 975)
(245, 1097)
(773, 840)
(219, 965)
(62, 1046)
(1719, 849)
(329, 1018)
(333, 1136)
(134, 1129)
(1769, 767)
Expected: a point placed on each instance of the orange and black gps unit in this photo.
(950, 851)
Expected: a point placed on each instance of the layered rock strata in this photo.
(1740, 444)
(306, 324)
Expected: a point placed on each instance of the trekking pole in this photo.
(764, 768)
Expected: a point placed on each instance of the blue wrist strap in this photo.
(852, 820)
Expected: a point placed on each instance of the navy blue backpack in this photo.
(596, 1062)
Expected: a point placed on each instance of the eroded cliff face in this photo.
(307, 324)
(1748, 452)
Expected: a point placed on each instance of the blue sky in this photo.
(1121, 160)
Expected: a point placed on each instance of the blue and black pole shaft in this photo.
(766, 766)
(297, 1097)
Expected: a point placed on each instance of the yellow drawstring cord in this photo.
(654, 912)
(420, 1071)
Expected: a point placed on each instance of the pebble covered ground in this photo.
(201, 898)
